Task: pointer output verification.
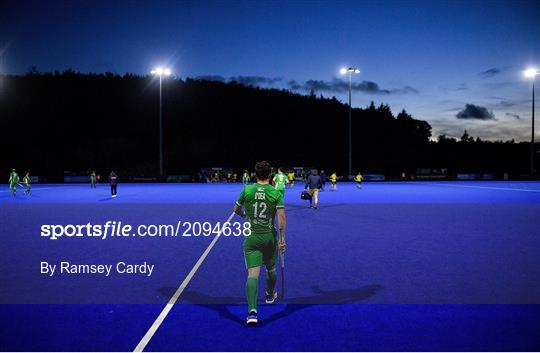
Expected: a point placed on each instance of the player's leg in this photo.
(253, 258)
(270, 259)
(14, 189)
(252, 288)
(316, 197)
(310, 192)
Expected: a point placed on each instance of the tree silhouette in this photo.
(76, 122)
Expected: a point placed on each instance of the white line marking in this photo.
(484, 187)
(159, 320)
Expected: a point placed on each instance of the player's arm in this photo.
(239, 210)
(282, 225)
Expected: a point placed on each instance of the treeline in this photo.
(57, 122)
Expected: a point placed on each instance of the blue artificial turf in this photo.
(437, 251)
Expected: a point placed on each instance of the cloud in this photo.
(211, 78)
(475, 112)
(462, 87)
(294, 85)
(454, 109)
(405, 90)
(491, 72)
(243, 80)
(505, 104)
(340, 86)
(255, 80)
(512, 115)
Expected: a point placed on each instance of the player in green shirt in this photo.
(260, 202)
(280, 180)
(13, 181)
(26, 181)
(93, 179)
(246, 178)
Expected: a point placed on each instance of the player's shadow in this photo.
(298, 207)
(292, 305)
(110, 198)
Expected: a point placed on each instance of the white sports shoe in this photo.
(270, 299)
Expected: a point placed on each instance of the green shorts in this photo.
(261, 249)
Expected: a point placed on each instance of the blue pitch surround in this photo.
(393, 266)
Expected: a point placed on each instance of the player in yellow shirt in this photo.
(333, 180)
(290, 176)
(358, 180)
(26, 181)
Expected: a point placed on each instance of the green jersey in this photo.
(260, 202)
(279, 181)
(246, 178)
(26, 180)
(13, 178)
(93, 176)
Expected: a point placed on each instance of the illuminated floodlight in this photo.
(160, 71)
(350, 70)
(531, 72)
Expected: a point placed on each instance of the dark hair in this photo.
(263, 170)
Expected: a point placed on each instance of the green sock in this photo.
(252, 289)
(270, 281)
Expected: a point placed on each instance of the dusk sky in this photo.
(456, 64)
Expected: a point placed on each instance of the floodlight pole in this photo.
(350, 71)
(350, 124)
(160, 128)
(160, 72)
(532, 129)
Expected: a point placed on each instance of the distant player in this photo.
(26, 181)
(13, 181)
(291, 178)
(113, 178)
(304, 174)
(313, 184)
(323, 179)
(333, 180)
(358, 180)
(261, 202)
(280, 180)
(93, 179)
(246, 178)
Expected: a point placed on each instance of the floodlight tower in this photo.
(160, 72)
(350, 71)
(531, 74)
